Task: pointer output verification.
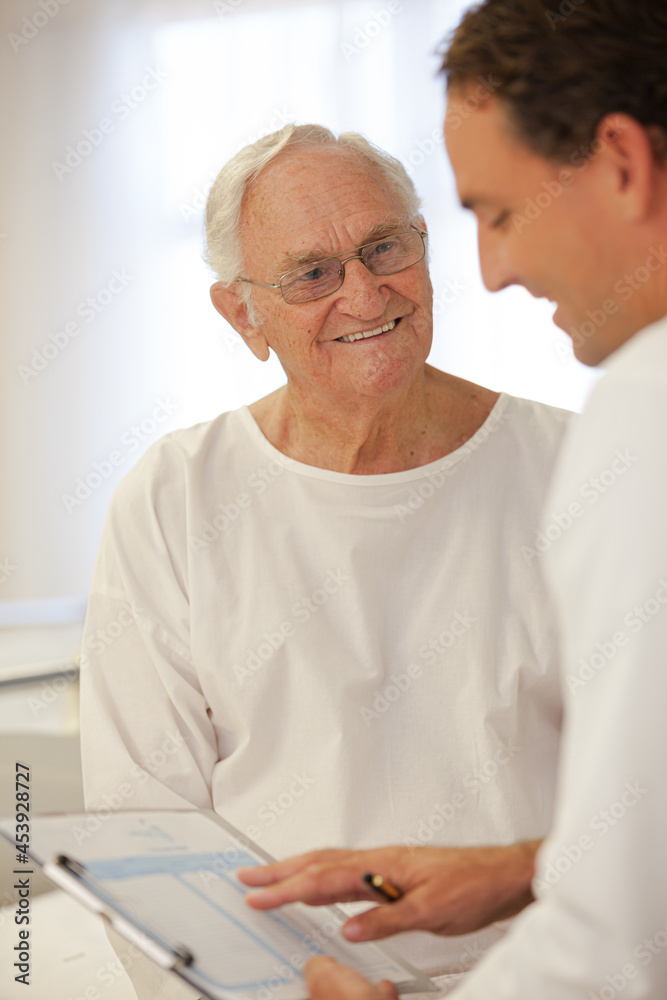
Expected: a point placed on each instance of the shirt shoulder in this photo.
(613, 469)
(168, 466)
(535, 431)
(146, 519)
(627, 407)
(642, 359)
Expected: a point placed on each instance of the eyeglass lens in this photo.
(386, 256)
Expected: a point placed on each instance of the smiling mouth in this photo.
(367, 334)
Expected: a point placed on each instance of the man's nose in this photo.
(362, 293)
(496, 272)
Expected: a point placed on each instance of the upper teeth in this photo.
(368, 333)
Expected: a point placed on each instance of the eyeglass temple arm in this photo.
(251, 282)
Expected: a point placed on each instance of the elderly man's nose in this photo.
(362, 291)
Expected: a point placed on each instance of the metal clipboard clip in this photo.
(71, 876)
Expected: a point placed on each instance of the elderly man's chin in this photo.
(379, 365)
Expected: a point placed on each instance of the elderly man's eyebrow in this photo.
(393, 224)
(290, 261)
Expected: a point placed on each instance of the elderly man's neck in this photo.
(364, 435)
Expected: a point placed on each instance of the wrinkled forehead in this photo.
(324, 199)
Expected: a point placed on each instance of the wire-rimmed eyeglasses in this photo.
(320, 278)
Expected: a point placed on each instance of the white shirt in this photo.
(600, 929)
(330, 659)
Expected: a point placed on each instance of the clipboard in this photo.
(165, 880)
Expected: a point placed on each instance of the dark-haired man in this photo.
(593, 80)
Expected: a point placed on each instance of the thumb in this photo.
(327, 980)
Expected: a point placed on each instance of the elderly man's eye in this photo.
(388, 248)
(313, 275)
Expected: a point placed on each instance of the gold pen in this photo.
(390, 893)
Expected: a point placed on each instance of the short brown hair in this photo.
(560, 66)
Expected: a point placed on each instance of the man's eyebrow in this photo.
(290, 261)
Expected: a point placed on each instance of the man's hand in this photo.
(327, 980)
(446, 890)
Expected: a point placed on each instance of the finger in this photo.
(387, 989)
(279, 870)
(385, 920)
(318, 885)
(327, 980)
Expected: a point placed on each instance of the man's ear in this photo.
(231, 307)
(627, 147)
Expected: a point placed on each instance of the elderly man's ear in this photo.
(231, 307)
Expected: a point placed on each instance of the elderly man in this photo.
(577, 126)
(334, 637)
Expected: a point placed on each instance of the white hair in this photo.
(223, 251)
